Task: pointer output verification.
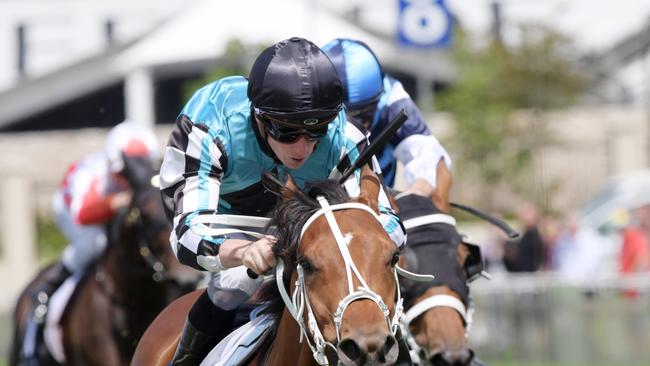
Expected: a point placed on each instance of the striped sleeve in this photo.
(191, 173)
(357, 142)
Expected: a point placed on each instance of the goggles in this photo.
(364, 114)
(287, 132)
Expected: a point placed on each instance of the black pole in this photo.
(497, 19)
(109, 32)
(377, 144)
(21, 60)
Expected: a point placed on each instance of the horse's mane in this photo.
(288, 217)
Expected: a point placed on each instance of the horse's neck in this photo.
(286, 349)
(130, 285)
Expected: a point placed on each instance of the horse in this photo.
(438, 313)
(120, 293)
(339, 263)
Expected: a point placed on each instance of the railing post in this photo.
(17, 237)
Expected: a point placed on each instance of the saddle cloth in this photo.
(52, 333)
(239, 345)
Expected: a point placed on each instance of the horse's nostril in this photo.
(389, 351)
(459, 357)
(378, 351)
(350, 353)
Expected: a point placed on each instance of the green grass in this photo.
(50, 242)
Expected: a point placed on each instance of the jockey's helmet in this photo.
(359, 71)
(129, 139)
(293, 84)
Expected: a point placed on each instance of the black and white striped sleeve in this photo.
(190, 178)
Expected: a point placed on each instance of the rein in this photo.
(134, 219)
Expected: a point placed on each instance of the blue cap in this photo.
(359, 70)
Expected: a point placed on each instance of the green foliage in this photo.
(494, 82)
(50, 242)
(235, 61)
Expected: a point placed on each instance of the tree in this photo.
(494, 83)
(236, 60)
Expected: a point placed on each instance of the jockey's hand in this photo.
(259, 255)
(120, 200)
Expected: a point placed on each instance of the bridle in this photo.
(299, 301)
(134, 219)
(159, 271)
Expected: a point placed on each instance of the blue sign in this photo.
(424, 23)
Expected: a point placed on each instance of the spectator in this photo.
(527, 253)
(635, 249)
(579, 250)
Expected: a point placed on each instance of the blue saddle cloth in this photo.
(239, 345)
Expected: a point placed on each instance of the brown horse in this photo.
(339, 263)
(439, 312)
(120, 294)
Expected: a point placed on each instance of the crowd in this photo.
(572, 249)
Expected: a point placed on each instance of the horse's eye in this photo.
(394, 259)
(306, 265)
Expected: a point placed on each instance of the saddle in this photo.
(240, 345)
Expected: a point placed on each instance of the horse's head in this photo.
(341, 264)
(144, 228)
(439, 312)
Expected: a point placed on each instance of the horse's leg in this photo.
(158, 343)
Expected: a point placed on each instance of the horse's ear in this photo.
(290, 188)
(369, 188)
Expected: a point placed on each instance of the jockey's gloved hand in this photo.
(259, 256)
(120, 200)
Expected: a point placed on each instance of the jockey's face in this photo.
(292, 155)
(363, 115)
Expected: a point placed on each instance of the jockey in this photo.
(287, 118)
(374, 98)
(92, 190)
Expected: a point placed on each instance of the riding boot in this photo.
(206, 325)
(192, 346)
(55, 278)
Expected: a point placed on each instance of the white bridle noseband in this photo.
(299, 301)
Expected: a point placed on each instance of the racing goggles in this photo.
(287, 132)
(363, 114)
